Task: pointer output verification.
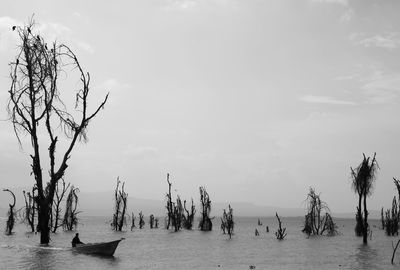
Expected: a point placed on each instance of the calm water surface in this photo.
(161, 249)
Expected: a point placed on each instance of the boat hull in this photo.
(103, 248)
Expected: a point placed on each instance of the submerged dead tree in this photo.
(120, 197)
(382, 219)
(205, 220)
(37, 107)
(55, 219)
(189, 217)
(281, 232)
(70, 221)
(175, 210)
(133, 218)
(141, 220)
(178, 214)
(227, 222)
(318, 219)
(391, 220)
(30, 209)
(151, 221)
(363, 177)
(156, 223)
(10, 214)
(169, 206)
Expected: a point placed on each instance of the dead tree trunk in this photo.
(70, 221)
(121, 197)
(280, 234)
(11, 214)
(205, 220)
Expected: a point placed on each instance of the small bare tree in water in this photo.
(120, 197)
(281, 233)
(318, 219)
(30, 209)
(391, 220)
(156, 223)
(205, 220)
(55, 218)
(35, 108)
(10, 214)
(151, 221)
(141, 220)
(175, 210)
(363, 177)
(133, 218)
(227, 222)
(177, 214)
(169, 206)
(189, 217)
(70, 221)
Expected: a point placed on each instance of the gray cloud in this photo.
(325, 100)
(340, 2)
(387, 41)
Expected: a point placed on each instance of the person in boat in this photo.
(76, 240)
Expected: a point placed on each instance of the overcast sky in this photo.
(256, 100)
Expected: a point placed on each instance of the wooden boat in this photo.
(102, 248)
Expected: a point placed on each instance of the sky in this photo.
(255, 100)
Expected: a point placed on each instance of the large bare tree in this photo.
(36, 109)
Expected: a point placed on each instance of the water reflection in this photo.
(40, 258)
(365, 257)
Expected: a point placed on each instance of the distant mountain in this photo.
(102, 204)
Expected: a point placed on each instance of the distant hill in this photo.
(101, 204)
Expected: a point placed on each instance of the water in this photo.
(161, 249)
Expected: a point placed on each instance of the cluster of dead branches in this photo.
(318, 219)
(55, 218)
(11, 214)
(391, 219)
(70, 221)
(363, 177)
(281, 232)
(141, 220)
(227, 223)
(120, 197)
(177, 214)
(29, 212)
(188, 219)
(205, 220)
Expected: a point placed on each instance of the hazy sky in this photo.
(257, 100)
